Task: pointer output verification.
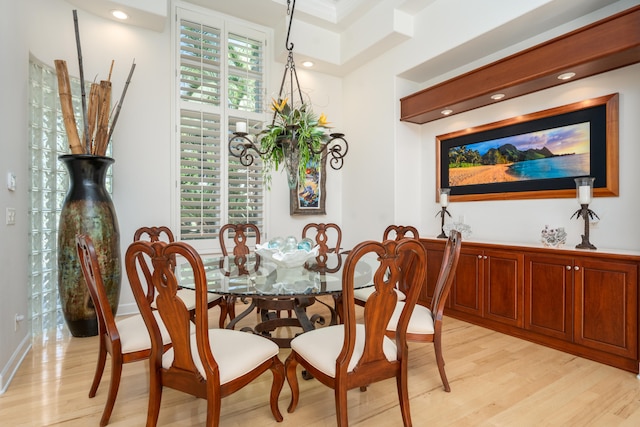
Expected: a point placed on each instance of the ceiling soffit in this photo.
(605, 45)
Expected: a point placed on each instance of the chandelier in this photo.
(296, 136)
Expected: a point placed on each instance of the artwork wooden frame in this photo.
(589, 127)
(309, 197)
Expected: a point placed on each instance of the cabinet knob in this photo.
(568, 267)
(479, 256)
(485, 257)
(576, 268)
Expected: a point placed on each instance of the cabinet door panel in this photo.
(466, 292)
(503, 287)
(548, 289)
(606, 306)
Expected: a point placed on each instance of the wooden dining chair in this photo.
(240, 235)
(395, 232)
(328, 237)
(209, 364)
(126, 340)
(162, 233)
(352, 354)
(425, 324)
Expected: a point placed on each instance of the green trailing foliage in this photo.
(293, 126)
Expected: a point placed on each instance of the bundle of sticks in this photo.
(98, 118)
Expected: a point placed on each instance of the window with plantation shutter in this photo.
(221, 81)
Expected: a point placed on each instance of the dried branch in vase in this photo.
(99, 119)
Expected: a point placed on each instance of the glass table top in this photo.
(225, 277)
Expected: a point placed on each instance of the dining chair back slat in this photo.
(392, 232)
(328, 238)
(164, 234)
(398, 232)
(240, 234)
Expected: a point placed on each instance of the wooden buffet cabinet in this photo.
(581, 302)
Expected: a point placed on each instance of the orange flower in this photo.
(322, 121)
(278, 105)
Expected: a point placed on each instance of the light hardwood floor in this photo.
(496, 380)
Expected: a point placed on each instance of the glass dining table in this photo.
(275, 289)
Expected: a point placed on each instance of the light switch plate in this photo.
(11, 181)
(11, 216)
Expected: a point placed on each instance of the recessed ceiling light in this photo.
(446, 112)
(307, 64)
(566, 76)
(118, 14)
(497, 96)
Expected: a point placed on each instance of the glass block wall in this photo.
(48, 188)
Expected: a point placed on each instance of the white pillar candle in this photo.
(584, 194)
(444, 200)
(241, 127)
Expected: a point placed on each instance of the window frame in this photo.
(227, 116)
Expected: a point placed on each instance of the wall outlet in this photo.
(11, 216)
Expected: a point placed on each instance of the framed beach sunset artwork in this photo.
(534, 156)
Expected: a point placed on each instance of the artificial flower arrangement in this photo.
(299, 126)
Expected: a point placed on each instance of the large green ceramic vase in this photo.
(87, 209)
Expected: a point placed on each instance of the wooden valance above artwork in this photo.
(605, 45)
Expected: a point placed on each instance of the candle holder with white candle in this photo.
(584, 195)
(241, 128)
(444, 202)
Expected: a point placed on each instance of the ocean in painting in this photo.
(551, 167)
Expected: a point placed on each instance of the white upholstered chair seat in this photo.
(134, 335)
(188, 296)
(232, 363)
(321, 347)
(421, 321)
(363, 294)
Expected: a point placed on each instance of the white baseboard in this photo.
(7, 373)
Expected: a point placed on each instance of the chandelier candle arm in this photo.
(239, 145)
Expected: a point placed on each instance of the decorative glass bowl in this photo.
(553, 237)
(287, 258)
(464, 229)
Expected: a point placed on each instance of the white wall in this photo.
(14, 72)
(378, 191)
(522, 220)
(141, 140)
